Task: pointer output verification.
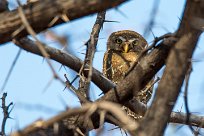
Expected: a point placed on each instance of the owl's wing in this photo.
(107, 64)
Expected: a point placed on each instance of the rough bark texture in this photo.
(168, 90)
(42, 12)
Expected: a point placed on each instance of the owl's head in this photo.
(126, 41)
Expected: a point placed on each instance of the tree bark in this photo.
(155, 121)
(40, 14)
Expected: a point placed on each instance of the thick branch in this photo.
(41, 13)
(85, 111)
(66, 59)
(43, 127)
(194, 120)
(171, 82)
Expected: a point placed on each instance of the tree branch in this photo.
(44, 14)
(86, 110)
(40, 126)
(174, 74)
(66, 59)
(84, 83)
(6, 113)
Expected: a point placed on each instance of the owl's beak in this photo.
(126, 48)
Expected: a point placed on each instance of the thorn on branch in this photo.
(111, 21)
(77, 76)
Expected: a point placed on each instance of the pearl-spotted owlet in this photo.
(123, 48)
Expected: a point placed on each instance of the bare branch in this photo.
(38, 43)
(194, 120)
(187, 77)
(174, 74)
(155, 61)
(91, 49)
(112, 108)
(75, 91)
(65, 59)
(6, 113)
(39, 14)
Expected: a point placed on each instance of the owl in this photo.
(123, 48)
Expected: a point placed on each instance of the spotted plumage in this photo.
(123, 48)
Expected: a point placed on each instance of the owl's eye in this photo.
(135, 42)
(118, 41)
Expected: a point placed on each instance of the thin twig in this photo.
(77, 76)
(152, 18)
(6, 113)
(38, 43)
(186, 98)
(48, 84)
(11, 69)
(77, 92)
(148, 87)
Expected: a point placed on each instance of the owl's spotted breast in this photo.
(116, 64)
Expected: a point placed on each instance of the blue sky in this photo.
(31, 73)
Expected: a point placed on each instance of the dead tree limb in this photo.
(41, 14)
